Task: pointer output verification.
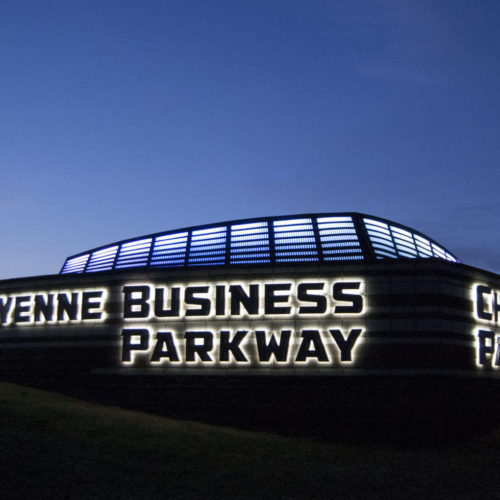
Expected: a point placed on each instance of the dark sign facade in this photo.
(398, 318)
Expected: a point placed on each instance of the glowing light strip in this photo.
(380, 237)
(343, 257)
(168, 263)
(104, 253)
(249, 250)
(298, 259)
(439, 251)
(126, 265)
(146, 243)
(207, 246)
(250, 243)
(450, 257)
(404, 254)
(376, 223)
(385, 253)
(342, 251)
(243, 232)
(209, 230)
(336, 231)
(297, 253)
(345, 240)
(402, 232)
(322, 220)
(209, 240)
(252, 261)
(279, 223)
(249, 236)
(323, 227)
(379, 243)
(167, 240)
(344, 246)
(294, 234)
(76, 265)
(387, 248)
(403, 245)
(249, 254)
(170, 249)
(287, 241)
(284, 247)
(208, 251)
(252, 225)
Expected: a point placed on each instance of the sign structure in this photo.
(233, 324)
(245, 325)
(487, 312)
(402, 319)
(344, 294)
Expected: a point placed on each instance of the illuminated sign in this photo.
(486, 302)
(283, 298)
(283, 322)
(227, 346)
(244, 324)
(53, 307)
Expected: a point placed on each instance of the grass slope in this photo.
(57, 447)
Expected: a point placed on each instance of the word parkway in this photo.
(241, 346)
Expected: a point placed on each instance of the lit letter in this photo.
(192, 348)
(239, 296)
(160, 311)
(357, 300)
(280, 351)
(165, 339)
(88, 304)
(486, 345)
(21, 309)
(203, 302)
(271, 298)
(133, 306)
(304, 296)
(128, 346)
(481, 313)
(44, 307)
(346, 345)
(306, 351)
(232, 346)
(64, 305)
(5, 308)
(220, 300)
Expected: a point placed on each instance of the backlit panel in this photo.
(404, 242)
(250, 243)
(381, 239)
(102, 260)
(423, 246)
(76, 264)
(339, 240)
(208, 247)
(299, 239)
(169, 250)
(294, 241)
(134, 254)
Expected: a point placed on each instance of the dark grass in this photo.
(57, 447)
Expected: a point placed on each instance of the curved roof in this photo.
(308, 238)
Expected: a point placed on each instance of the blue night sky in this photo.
(123, 118)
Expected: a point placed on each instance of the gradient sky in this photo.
(123, 118)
